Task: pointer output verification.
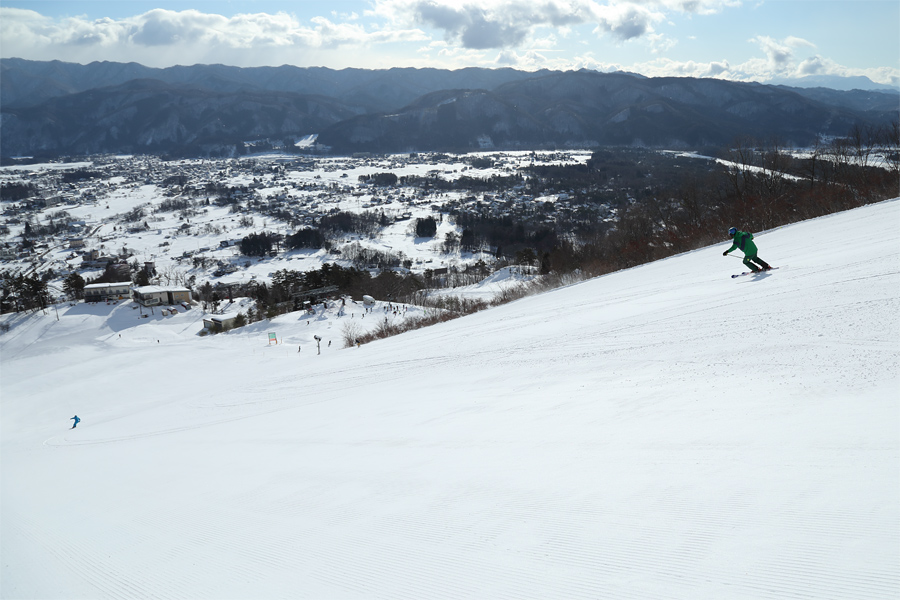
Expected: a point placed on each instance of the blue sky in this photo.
(730, 39)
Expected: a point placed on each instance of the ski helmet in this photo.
(732, 231)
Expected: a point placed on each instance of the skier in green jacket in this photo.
(744, 241)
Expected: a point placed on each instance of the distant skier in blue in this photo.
(77, 421)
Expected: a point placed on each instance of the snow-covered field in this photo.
(662, 432)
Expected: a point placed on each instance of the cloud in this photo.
(482, 32)
(161, 37)
(160, 34)
(781, 62)
(660, 43)
(811, 66)
(626, 21)
(19, 26)
(525, 34)
(795, 42)
(777, 53)
(482, 24)
(780, 54)
(697, 7)
(759, 69)
(717, 68)
(164, 27)
(529, 61)
(664, 67)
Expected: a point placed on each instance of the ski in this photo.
(753, 272)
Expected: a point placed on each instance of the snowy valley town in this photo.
(275, 228)
(231, 224)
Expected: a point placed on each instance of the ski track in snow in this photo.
(661, 432)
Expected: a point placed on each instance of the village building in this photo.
(101, 292)
(155, 295)
(220, 322)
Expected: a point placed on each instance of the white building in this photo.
(101, 292)
(154, 295)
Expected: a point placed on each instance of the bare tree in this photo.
(775, 186)
(890, 146)
(172, 276)
(351, 332)
(740, 170)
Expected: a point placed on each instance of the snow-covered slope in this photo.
(663, 432)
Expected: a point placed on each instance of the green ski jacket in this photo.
(744, 241)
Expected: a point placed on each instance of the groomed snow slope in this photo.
(662, 432)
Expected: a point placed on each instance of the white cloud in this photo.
(627, 21)
(781, 61)
(161, 27)
(485, 24)
(469, 28)
(795, 42)
(717, 68)
(529, 61)
(18, 26)
(664, 67)
(780, 54)
(482, 24)
(159, 34)
(811, 66)
(587, 61)
(660, 43)
(697, 7)
(452, 34)
(351, 16)
(758, 69)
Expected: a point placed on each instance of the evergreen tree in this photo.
(141, 278)
(258, 244)
(306, 238)
(73, 285)
(467, 240)
(426, 227)
(23, 292)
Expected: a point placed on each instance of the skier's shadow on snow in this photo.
(760, 276)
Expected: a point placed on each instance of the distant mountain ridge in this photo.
(586, 108)
(28, 83)
(150, 116)
(834, 82)
(65, 108)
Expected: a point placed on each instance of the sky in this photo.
(731, 39)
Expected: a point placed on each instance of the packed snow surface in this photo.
(661, 432)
